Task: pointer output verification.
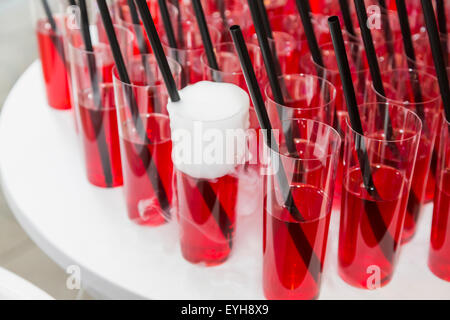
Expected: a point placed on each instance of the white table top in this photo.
(78, 224)
(12, 287)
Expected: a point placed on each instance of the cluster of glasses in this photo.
(379, 176)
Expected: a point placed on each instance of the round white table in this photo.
(75, 223)
(12, 287)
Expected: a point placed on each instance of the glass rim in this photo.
(210, 28)
(319, 124)
(302, 75)
(132, 85)
(147, 116)
(407, 103)
(381, 58)
(389, 105)
(204, 59)
(83, 50)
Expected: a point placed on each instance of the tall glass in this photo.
(402, 87)
(189, 51)
(305, 96)
(95, 106)
(439, 255)
(373, 205)
(145, 143)
(294, 246)
(123, 18)
(49, 33)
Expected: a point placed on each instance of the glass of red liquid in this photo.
(305, 96)
(372, 215)
(145, 140)
(402, 87)
(294, 247)
(439, 255)
(50, 41)
(230, 67)
(190, 49)
(96, 108)
(207, 207)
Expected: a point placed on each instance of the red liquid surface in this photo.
(207, 215)
(101, 139)
(368, 248)
(439, 256)
(288, 274)
(53, 66)
(148, 173)
(417, 196)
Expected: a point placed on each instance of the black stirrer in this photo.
(379, 228)
(144, 153)
(95, 115)
(206, 37)
(304, 9)
(438, 56)
(387, 32)
(345, 9)
(143, 49)
(372, 60)
(203, 186)
(170, 34)
(442, 21)
(261, 8)
(54, 37)
(300, 240)
(72, 3)
(271, 71)
(410, 53)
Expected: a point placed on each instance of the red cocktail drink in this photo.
(372, 216)
(207, 216)
(294, 247)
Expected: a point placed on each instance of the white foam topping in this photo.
(209, 117)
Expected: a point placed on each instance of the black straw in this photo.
(54, 37)
(304, 11)
(376, 220)
(206, 37)
(442, 21)
(300, 240)
(345, 9)
(144, 153)
(158, 50)
(387, 32)
(438, 56)
(410, 53)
